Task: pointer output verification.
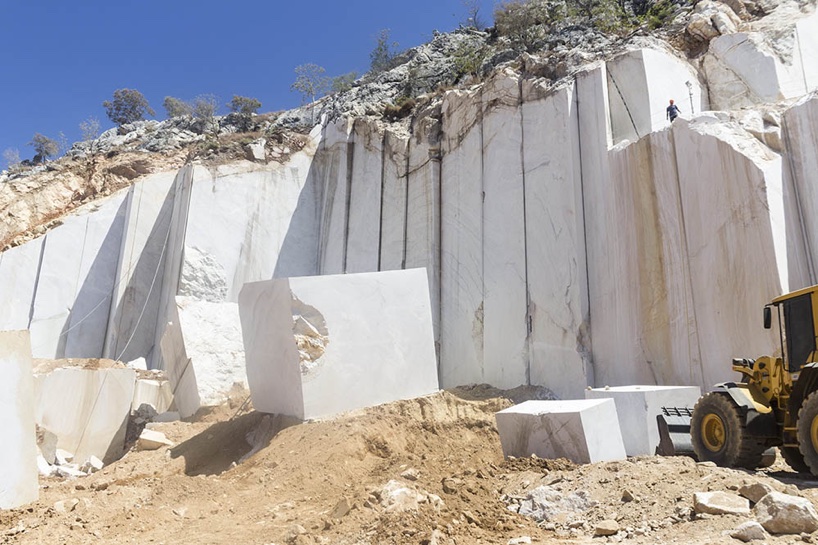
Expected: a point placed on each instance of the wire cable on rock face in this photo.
(150, 291)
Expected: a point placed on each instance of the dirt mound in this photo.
(428, 470)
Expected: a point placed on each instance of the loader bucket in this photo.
(674, 432)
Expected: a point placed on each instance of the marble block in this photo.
(637, 408)
(18, 458)
(583, 431)
(87, 409)
(156, 393)
(317, 346)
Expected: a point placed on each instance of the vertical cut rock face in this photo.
(570, 236)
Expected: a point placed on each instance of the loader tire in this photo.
(807, 432)
(718, 434)
(794, 459)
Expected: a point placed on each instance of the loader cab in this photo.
(797, 319)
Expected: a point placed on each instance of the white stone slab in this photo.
(336, 153)
(379, 342)
(505, 312)
(173, 260)
(364, 229)
(637, 408)
(18, 457)
(18, 279)
(461, 306)
(801, 191)
(75, 280)
(87, 409)
(393, 214)
(423, 207)
(559, 342)
(178, 368)
(733, 206)
(644, 329)
(156, 393)
(583, 431)
(214, 345)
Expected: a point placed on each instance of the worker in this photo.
(673, 111)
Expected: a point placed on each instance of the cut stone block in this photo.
(152, 440)
(87, 409)
(375, 343)
(18, 457)
(583, 431)
(638, 407)
(156, 393)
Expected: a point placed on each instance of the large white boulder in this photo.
(583, 431)
(638, 407)
(362, 340)
(18, 457)
(214, 346)
(87, 409)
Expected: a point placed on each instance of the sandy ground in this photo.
(247, 478)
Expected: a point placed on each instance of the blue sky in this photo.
(61, 59)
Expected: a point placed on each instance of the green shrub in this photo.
(244, 105)
(468, 58)
(176, 107)
(527, 22)
(343, 83)
(205, 107)
(44, 146)
(383, 57)
(310, 81)
(128, 106)
(658, 14)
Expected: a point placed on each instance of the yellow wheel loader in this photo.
(776, 401)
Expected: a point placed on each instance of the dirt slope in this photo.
(299, 485)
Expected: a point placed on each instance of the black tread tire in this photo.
(806, 415)
(739, 449)
(794, 459)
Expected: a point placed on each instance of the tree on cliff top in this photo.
(310, 81)
(44, 146)
(383, 57)
(244, 105)
(128, 105)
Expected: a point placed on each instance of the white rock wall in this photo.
(461, 305)
(18, 279)
(801, 187)
(393, 214)
(559, 341)
(364, 228)
(734, 218)
(423, 205)
(553, 255)
(505, 312)
(137, 292)
(336, 154)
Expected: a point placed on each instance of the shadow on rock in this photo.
(221, 445)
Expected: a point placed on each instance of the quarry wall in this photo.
(570, 235)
